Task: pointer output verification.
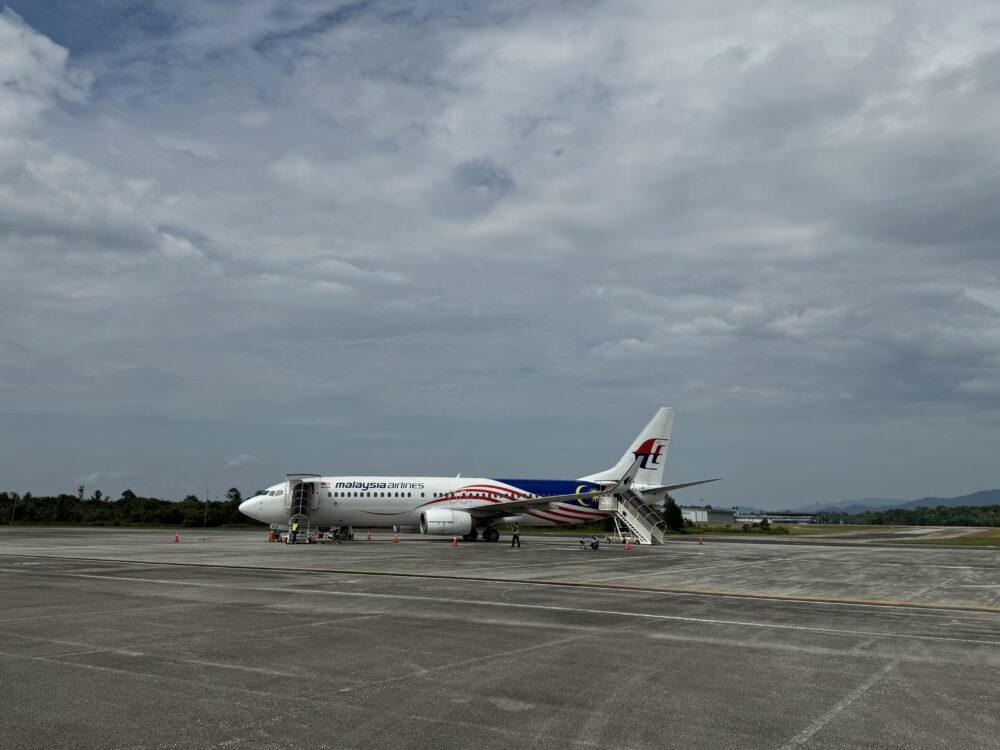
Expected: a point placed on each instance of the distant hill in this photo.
(983, 497)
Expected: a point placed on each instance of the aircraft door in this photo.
(315, 496)
(303, 496)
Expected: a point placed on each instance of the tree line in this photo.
(959, 515)
(192, 512)
(127, 510)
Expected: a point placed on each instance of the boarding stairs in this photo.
(301, 499)
(644, 524)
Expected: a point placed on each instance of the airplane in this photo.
(456, 506)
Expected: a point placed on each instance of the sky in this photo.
(245, 238)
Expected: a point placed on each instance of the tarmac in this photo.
(116, 638)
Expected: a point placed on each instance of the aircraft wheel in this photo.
(472, 535)
(491, 535)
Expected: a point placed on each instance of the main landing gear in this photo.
(489, 535)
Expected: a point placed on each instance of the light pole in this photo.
(13, 509)
(204, 523)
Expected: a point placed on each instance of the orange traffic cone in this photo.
(454, 541)
(177, 538)
(395, 538)
(627, 547)
(700, 540)
(369, 536)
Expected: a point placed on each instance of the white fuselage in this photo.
(367, 501)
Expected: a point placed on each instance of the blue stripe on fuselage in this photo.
(555, 487)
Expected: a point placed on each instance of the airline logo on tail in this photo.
(650, 451)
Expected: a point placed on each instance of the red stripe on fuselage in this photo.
(567, 514)
(557, 521)
(582, 512)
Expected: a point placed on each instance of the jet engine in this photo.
(445, 522)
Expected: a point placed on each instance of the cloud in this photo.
(97, 477)
(402, 213)
(33, 75)
(192, 148)
(240, 461)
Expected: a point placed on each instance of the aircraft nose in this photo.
(245, 507)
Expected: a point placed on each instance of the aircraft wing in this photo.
(661, 492)
(513, 507)
(517, 506)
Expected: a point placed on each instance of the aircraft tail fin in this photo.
(650, 446)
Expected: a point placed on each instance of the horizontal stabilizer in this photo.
(656, 494)
(669, 487)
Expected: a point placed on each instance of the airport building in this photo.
(707, 514)
(776, 517)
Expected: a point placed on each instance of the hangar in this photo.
(708, 514)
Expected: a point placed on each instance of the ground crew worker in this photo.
(295, 530)
(594, 544)
(515, 538)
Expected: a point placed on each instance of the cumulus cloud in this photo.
(33, 74)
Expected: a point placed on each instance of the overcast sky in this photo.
(245, 238)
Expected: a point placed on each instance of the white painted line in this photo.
(675, 571)
(806, 734)
(546, 565)
(188, 684)
(542, 607)
(99, 612)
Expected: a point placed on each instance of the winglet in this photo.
(625, 483)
